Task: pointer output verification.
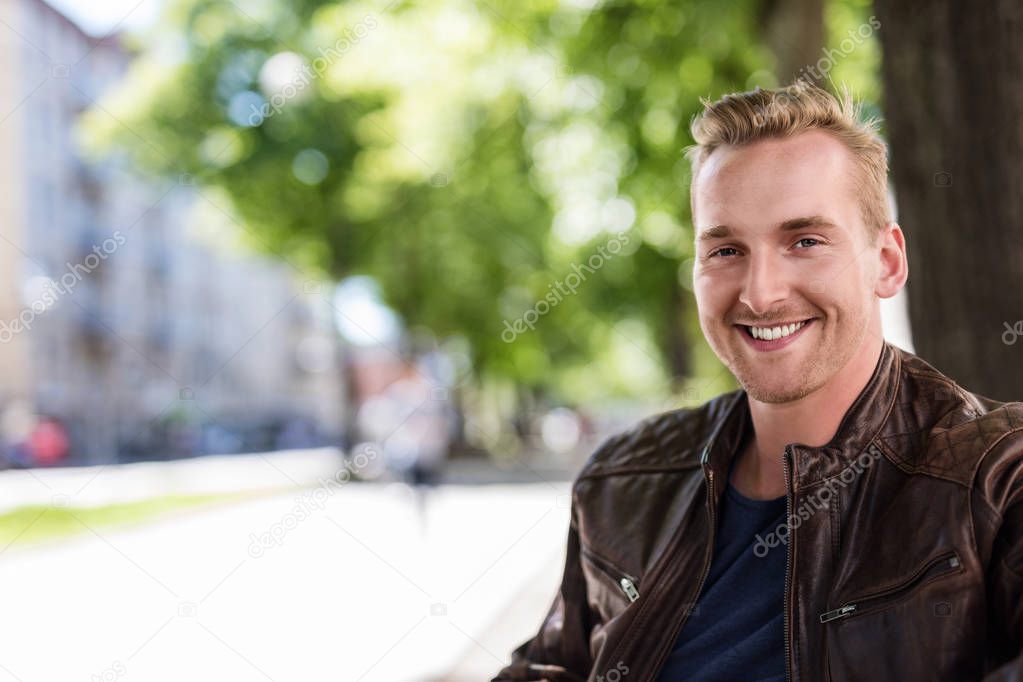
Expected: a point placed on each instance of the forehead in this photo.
(774, 180)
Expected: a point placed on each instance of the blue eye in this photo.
(808, 239)
(718, 252)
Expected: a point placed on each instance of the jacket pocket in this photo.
(623, 582)
(945, 564)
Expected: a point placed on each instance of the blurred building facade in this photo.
(142, 340)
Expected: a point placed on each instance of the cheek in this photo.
(839, 302)
(712, 293)
(708, 306)
(835, 284)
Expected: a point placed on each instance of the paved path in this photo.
(348, 583)
(99, 485)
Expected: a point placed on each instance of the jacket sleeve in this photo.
(1005, 579)
(560, 651)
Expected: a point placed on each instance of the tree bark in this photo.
(794, 32)
(677, 346)
(348, 389)
(953, 84)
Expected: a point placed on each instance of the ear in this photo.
(894, 265)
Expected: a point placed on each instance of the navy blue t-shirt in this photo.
(736, 631)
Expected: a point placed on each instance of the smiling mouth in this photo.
(774, 332)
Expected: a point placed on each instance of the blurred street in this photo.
(361, 587)
(311, 312)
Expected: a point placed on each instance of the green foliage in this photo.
(31, 524)
(467, 155)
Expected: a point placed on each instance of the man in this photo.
(849, 514)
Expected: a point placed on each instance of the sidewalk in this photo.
(360, 588)
(95, 486)
(524, 611)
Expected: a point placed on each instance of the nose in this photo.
(765, 282)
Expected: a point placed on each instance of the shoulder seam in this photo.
(980, 461)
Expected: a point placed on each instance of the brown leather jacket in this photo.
(905, 540)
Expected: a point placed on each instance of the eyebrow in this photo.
(724, 231)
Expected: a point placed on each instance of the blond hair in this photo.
(743, 118)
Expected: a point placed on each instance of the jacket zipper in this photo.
(629, 584)
(943, 564)
(663, 569)
(786, 462)
(677, 628)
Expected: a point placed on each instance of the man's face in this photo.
(780, 241)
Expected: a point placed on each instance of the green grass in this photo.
(32, 524)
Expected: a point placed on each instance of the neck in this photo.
(813, 419)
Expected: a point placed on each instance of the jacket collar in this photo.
(860, 425)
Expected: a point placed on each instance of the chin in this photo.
(777, 394)
(772, 387)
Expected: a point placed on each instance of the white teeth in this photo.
(772, 333)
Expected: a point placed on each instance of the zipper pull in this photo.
(630, 589)
(838, 613)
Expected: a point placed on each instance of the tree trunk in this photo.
(794, 32)
(677, 346)
(349, 391)
(953, 83)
